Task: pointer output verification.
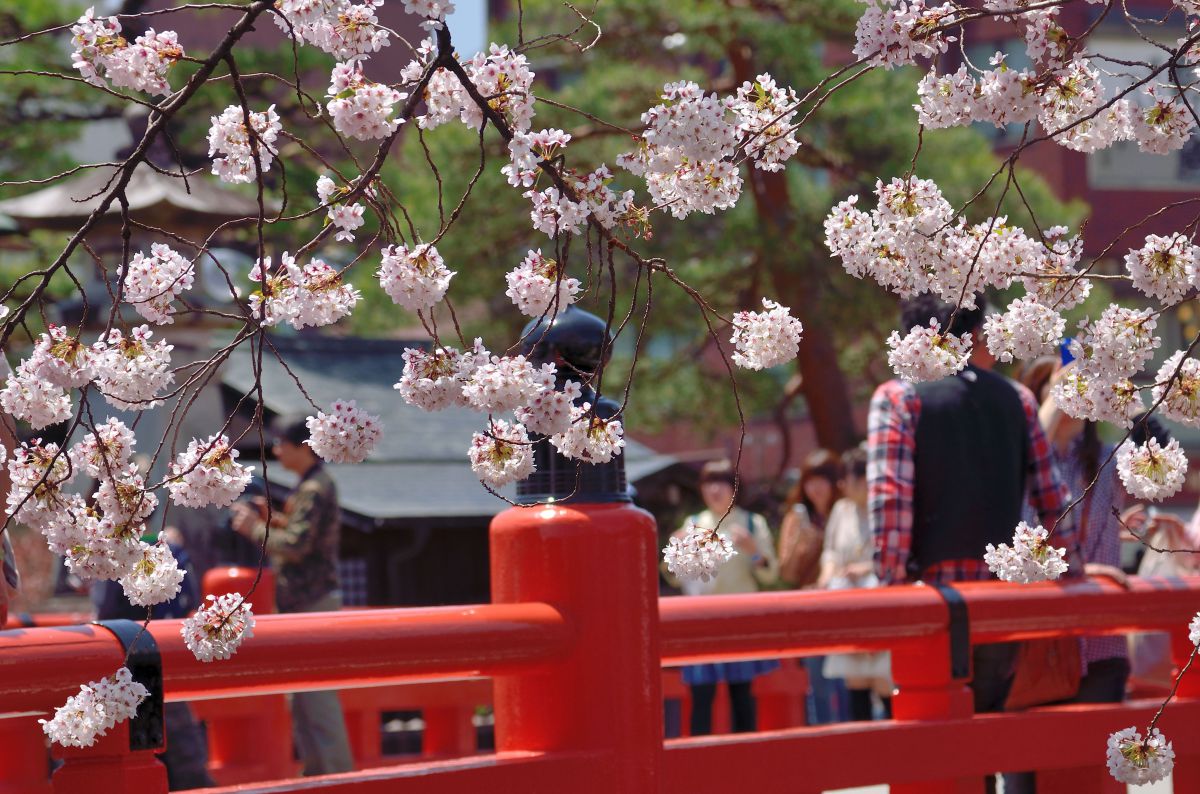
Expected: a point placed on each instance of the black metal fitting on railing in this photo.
(144, 661)
(959, 631)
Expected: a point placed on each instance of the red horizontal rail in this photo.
(296, 652)
(807, 622)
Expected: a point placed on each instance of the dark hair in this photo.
(292, 429)
(717, 471)
(1149, 426)
(854, 461)
(819, 463)
(1037, 373)
(919, 309)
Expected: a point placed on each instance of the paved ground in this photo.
(1158, 788)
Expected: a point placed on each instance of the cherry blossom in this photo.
(1194, 630)
(105, 451)
(1163, 127)
(101, 53)
(502, 455)
(30, 397)
(549, 412)
(539, 285)
(554, 213)
(207, 473)
(697, 554)
(61, 359)
(1030, 559)
(434, 380)
(765, 339)
(95, 710)
(763, 113)
(1182, 400)
(1119, 344)
(1025, 330)
(527, 149)
(1163, 268)
(415, 278)
(219, 627)
(337, 27)
(1150, 471)
(130, 371)
(359, 107)
(346, 434)
(313, 295)
(897, 33)
(124, 497)
(38, 472)
(434, 11)
(504, 78)
(504, 383)
(946, 100)
(590, 438)
(230, 138)
(1137, 761)
(153, 579)
(927, 353)
(152, 282)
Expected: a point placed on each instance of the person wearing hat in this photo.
(302, 543)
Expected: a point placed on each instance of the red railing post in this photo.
(449, 731)
(109, 766)
(1186, 776)
(255, 743)
(24, 760)
(597, 563)
(925, 690)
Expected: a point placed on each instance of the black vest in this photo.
(972, 455)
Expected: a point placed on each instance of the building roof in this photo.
(66, 203)
(419, 468)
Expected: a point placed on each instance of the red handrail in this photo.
(575, 642)
(291, 653)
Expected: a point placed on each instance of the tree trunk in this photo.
(795, 279)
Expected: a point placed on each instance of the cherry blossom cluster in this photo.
(154, 578)
(527, 149)
(1151, 471)
(551, 411)
(346, 434)
(927, 353)
(434, 380)
(313, 295)
(344, 217)
(896, 33)
(229, 137)
(416, 278)
(1137, 761)
(359, 107)
(338, 27)
(590, 438)
(207, 473)
(95, 710)
(539, 285)
(152, 282)
(218, 628)
(38, 472)
(1177, 384)
(697, 554)
(1083, 394)
(434, 11)
(554, 213)
(501, 455)
(505, 383)
(1031, 558)
(765, 339)
(102, 54)
(104, 451)
(764, 113)
(130, 370)
(1027, 329)
(1163, 268)
(1194, 630)
(602, 203)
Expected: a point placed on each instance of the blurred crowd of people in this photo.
(947, 468)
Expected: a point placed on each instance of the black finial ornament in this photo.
(578, 344)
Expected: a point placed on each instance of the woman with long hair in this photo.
(801, 542)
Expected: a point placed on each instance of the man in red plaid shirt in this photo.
(951, 463)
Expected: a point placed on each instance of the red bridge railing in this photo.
(574, 644)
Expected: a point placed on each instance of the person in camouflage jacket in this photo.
(302, 543)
